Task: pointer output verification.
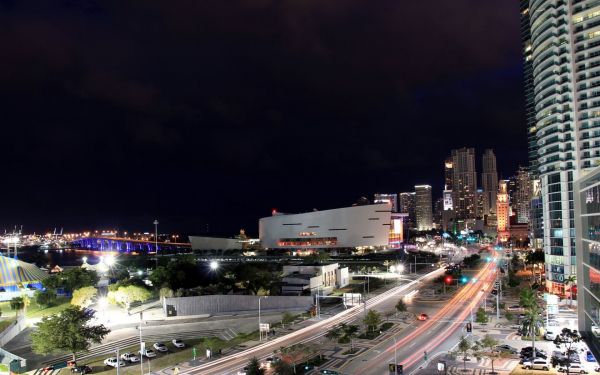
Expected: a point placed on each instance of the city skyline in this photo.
(225, 119)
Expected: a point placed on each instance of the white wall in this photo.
(352, 226)
(214, 243)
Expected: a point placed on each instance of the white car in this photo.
(130, 357)
(161, 347)
(113, 362)
(575, 368)
(550, 335)
(178, 343)
(537, 364)
(595, 330)
(148, 353)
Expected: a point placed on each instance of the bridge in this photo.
(127, 245)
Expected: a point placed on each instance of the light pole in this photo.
(395, 354)
(156, 240)
(259, 321)
(142, 349)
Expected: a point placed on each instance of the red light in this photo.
(448, 280)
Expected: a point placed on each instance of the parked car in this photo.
(575, 368)
(148, 353)
(81, 369)
(507, 349)
(422, 317)
(590, 357)
(595, 330)
(514, 308)
(131, 357)
(178, 343)
(537, 364)
(159, 346)
(113, 362)
(550, 335)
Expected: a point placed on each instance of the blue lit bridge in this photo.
(127, 245)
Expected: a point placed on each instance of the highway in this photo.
(438, 334)
(231, 364)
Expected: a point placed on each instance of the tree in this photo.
(68, 331)
(334, 333)
(254, 367)
(287, 318)
(17, 304)
(481, 317)
(464, 349)
(125, 295)
(372, 320)
(350, 332)
(282, 368)
(45, 298)
(166, 292)
(400, 305)
(294, 354)
(72, 279)
(388, 315)
(570, 339)
(570, 281)
(528, 300)
(488, 345)
(83, 297)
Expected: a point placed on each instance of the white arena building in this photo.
(347, 227)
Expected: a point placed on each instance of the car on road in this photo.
(178, 343)
(131, 357)
(575, 368)
(595, 330)
(514, 308)
(537, 364)
(113, 362)
(422, 317)
(243, 371)
(149, 353)
(81, 370)
(507, 349)
(589, 356)
(550, 335)
(159, 346)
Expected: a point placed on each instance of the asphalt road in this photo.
(231, 364)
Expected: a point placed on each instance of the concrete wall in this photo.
(8, 334)
(219, 304)
(214, 243)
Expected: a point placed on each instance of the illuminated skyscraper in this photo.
(423, 207)
(502, 212)
(489, 181)
(464, 180)
(407, 206)
(562, 46)
(387, 198)
(522, 197)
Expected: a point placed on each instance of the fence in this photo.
(219, 304)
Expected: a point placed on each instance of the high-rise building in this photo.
(489, 182)
(406, 205)
(448, 174)
(438, 211)
(387, 198)
(423, 207)
(503, 211)
(522, 198)
(464, 180)
(563, 46)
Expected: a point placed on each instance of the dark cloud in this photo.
(216, 111)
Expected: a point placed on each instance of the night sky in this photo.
(215, 112)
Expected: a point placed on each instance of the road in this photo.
(434, 336)
(231, 364)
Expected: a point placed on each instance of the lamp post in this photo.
(142, 348)
(259, 321)
(156, 240)
(395, 353)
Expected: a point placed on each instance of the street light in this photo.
(84, 259)
(214, 265)
(259, 322)
(156, 240)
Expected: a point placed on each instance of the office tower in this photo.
(564, 37)
(423, 207)
(387, 198)
(448, 174)
(464, 182)
(521, 204)
(489, 182)
(503, 211)
(438, 211)
(407, 206)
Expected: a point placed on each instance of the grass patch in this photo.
(350, 351)
(36, 311)
(385, 326)
(5, 324)
(369, 335)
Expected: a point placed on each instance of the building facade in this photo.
(563, 46)
(348, 227)
(407, 204)
(387, 198)
(424, 207)
(464, 182)
(523, 196)
(503, 212)
(587, 225)
(489, 182)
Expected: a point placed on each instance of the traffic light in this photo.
(469, 327)
(425, 355)
(494, 292)
(399, 370)
(464, 279)
(448, 279)
(392, 368)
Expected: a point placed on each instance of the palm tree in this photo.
(569, 282)
(17, 304)
(528, 300)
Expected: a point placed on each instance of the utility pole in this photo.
(142, 348)
(118, 362)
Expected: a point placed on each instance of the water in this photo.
(52, 257)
